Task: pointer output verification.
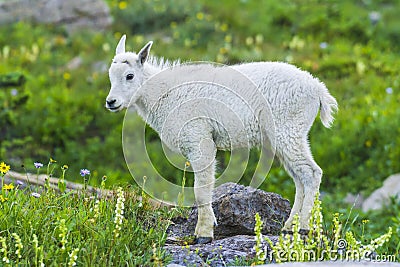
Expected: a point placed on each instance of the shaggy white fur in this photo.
(197, 109)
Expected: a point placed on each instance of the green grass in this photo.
(54, 225)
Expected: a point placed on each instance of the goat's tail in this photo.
(328, 107)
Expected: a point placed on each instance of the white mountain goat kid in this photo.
(293, 98)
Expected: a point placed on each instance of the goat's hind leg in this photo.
(306, 174)
(297, 205)
(311, 181)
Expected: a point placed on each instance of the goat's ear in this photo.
(144, 52)
(121, 45)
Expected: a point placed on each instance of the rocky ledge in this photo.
(235, 207)
(220, 252)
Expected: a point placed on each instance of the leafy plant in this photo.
(76, 228)
(319, 244)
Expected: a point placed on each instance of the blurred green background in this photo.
(352, 46)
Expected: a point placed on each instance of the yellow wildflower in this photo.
(224, 27)
(228, 38)
(2, 199)
(122, 5)
(368, 143)
(4, 168)
(259, 39)
(200, 15)
(223, 50)
(66, 76)
(8, 187)
(249, 41)
(220, 58)
(52, 160)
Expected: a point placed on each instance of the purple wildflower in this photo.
(34, 194)
(20, 182)
(84, 172)
(323, 45)
(38, 165)
(389, 90)
(14, 92)
(374, 17)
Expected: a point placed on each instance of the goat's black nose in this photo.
(111, 102)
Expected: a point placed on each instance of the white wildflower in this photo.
(18, 245)
(73, 256)
(119, 211)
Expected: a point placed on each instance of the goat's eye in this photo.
(129, 76)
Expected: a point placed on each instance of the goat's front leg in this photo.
(203, 188)
(203, 165)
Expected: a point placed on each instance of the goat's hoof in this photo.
(304, 231)
(203, 240)
(287, 232)
(301, 232)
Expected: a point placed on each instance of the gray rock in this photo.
(355, 200)
(235, 207)
(218, 253)
(74, 63)
(73, 14)
(380, 197)
(184, 256)
(100, 66)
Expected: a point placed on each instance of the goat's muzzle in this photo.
(111, 104)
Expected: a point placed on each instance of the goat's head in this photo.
(126, 75)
